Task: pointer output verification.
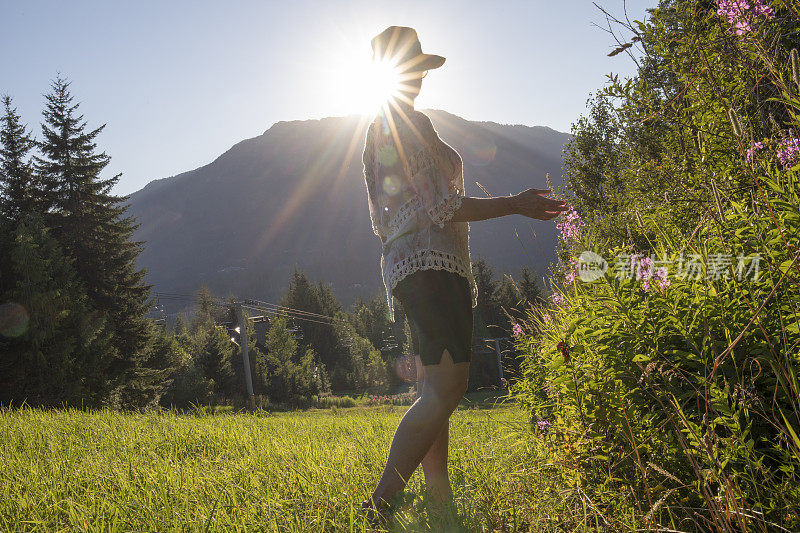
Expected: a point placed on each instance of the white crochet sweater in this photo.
(415, 184)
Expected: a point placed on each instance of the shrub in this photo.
(680, 391)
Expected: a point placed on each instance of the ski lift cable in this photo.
(282, 313)
(286, 311)
(194, 299)
(278, 312)
(299, 311)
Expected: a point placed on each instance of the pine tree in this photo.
(216, 359)
(17, 182)
(204, 317)
(485, 312)
(91, 225)
(145, 383)
(45, 363)
(180, 326)
(304, 295)
(277, 365)
(529, 288)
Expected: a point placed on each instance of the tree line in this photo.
(73, 305)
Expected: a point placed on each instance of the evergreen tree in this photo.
(180, 326)
(371, 320)
(361, 365)
(91, 225)
(17, 186)
(485, 312)
(531, 292)
(305, 296)
(144, 384)
(45, 363)
(216, 359)
(311, 375)
(277, 365)
(204, 317)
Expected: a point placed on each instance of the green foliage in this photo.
(46, 364)
(361, 366)
(329, 401)
(682, 400)
(74, 267)
(144, 385)
(319, 298)
(215, 357)
(18, 194)
(289, 374)
(371, 320)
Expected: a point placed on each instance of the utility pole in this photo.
(245, 356)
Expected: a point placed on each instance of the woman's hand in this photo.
(532, 203)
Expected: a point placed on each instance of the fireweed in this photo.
(683, 402)
(743, 13)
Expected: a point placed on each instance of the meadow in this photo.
(75, 470)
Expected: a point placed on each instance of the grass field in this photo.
(297, 471)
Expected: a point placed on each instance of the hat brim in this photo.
(422, 62)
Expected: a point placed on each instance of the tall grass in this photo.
(70, 470)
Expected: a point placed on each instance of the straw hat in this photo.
(400, 45)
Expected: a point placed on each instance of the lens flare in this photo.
(391, 185)
(14, 319)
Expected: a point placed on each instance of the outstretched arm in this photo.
(530, 203)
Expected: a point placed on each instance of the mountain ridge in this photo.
(294, 196)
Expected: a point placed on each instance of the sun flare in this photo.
(363, 86)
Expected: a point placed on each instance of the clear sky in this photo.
(178, 82)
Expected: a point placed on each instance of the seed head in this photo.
(735, 122)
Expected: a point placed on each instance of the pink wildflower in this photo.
(645, 269)
(743, 13)
(517, 330)
(543, 424)
(570, 228)
(569, 276)
(788, 151)
(663, 282)
(558, 298)
(753, 149)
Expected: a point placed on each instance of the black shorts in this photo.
(438, 304)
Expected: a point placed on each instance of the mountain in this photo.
(295, 196)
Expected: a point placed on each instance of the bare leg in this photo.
(434, 464)
(443, 387)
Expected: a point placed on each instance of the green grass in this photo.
(71, 470)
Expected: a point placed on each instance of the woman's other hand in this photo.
(533, 203)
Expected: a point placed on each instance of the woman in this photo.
(417, 206)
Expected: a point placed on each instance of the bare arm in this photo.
(530, 203)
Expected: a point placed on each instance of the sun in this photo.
(360, 85)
